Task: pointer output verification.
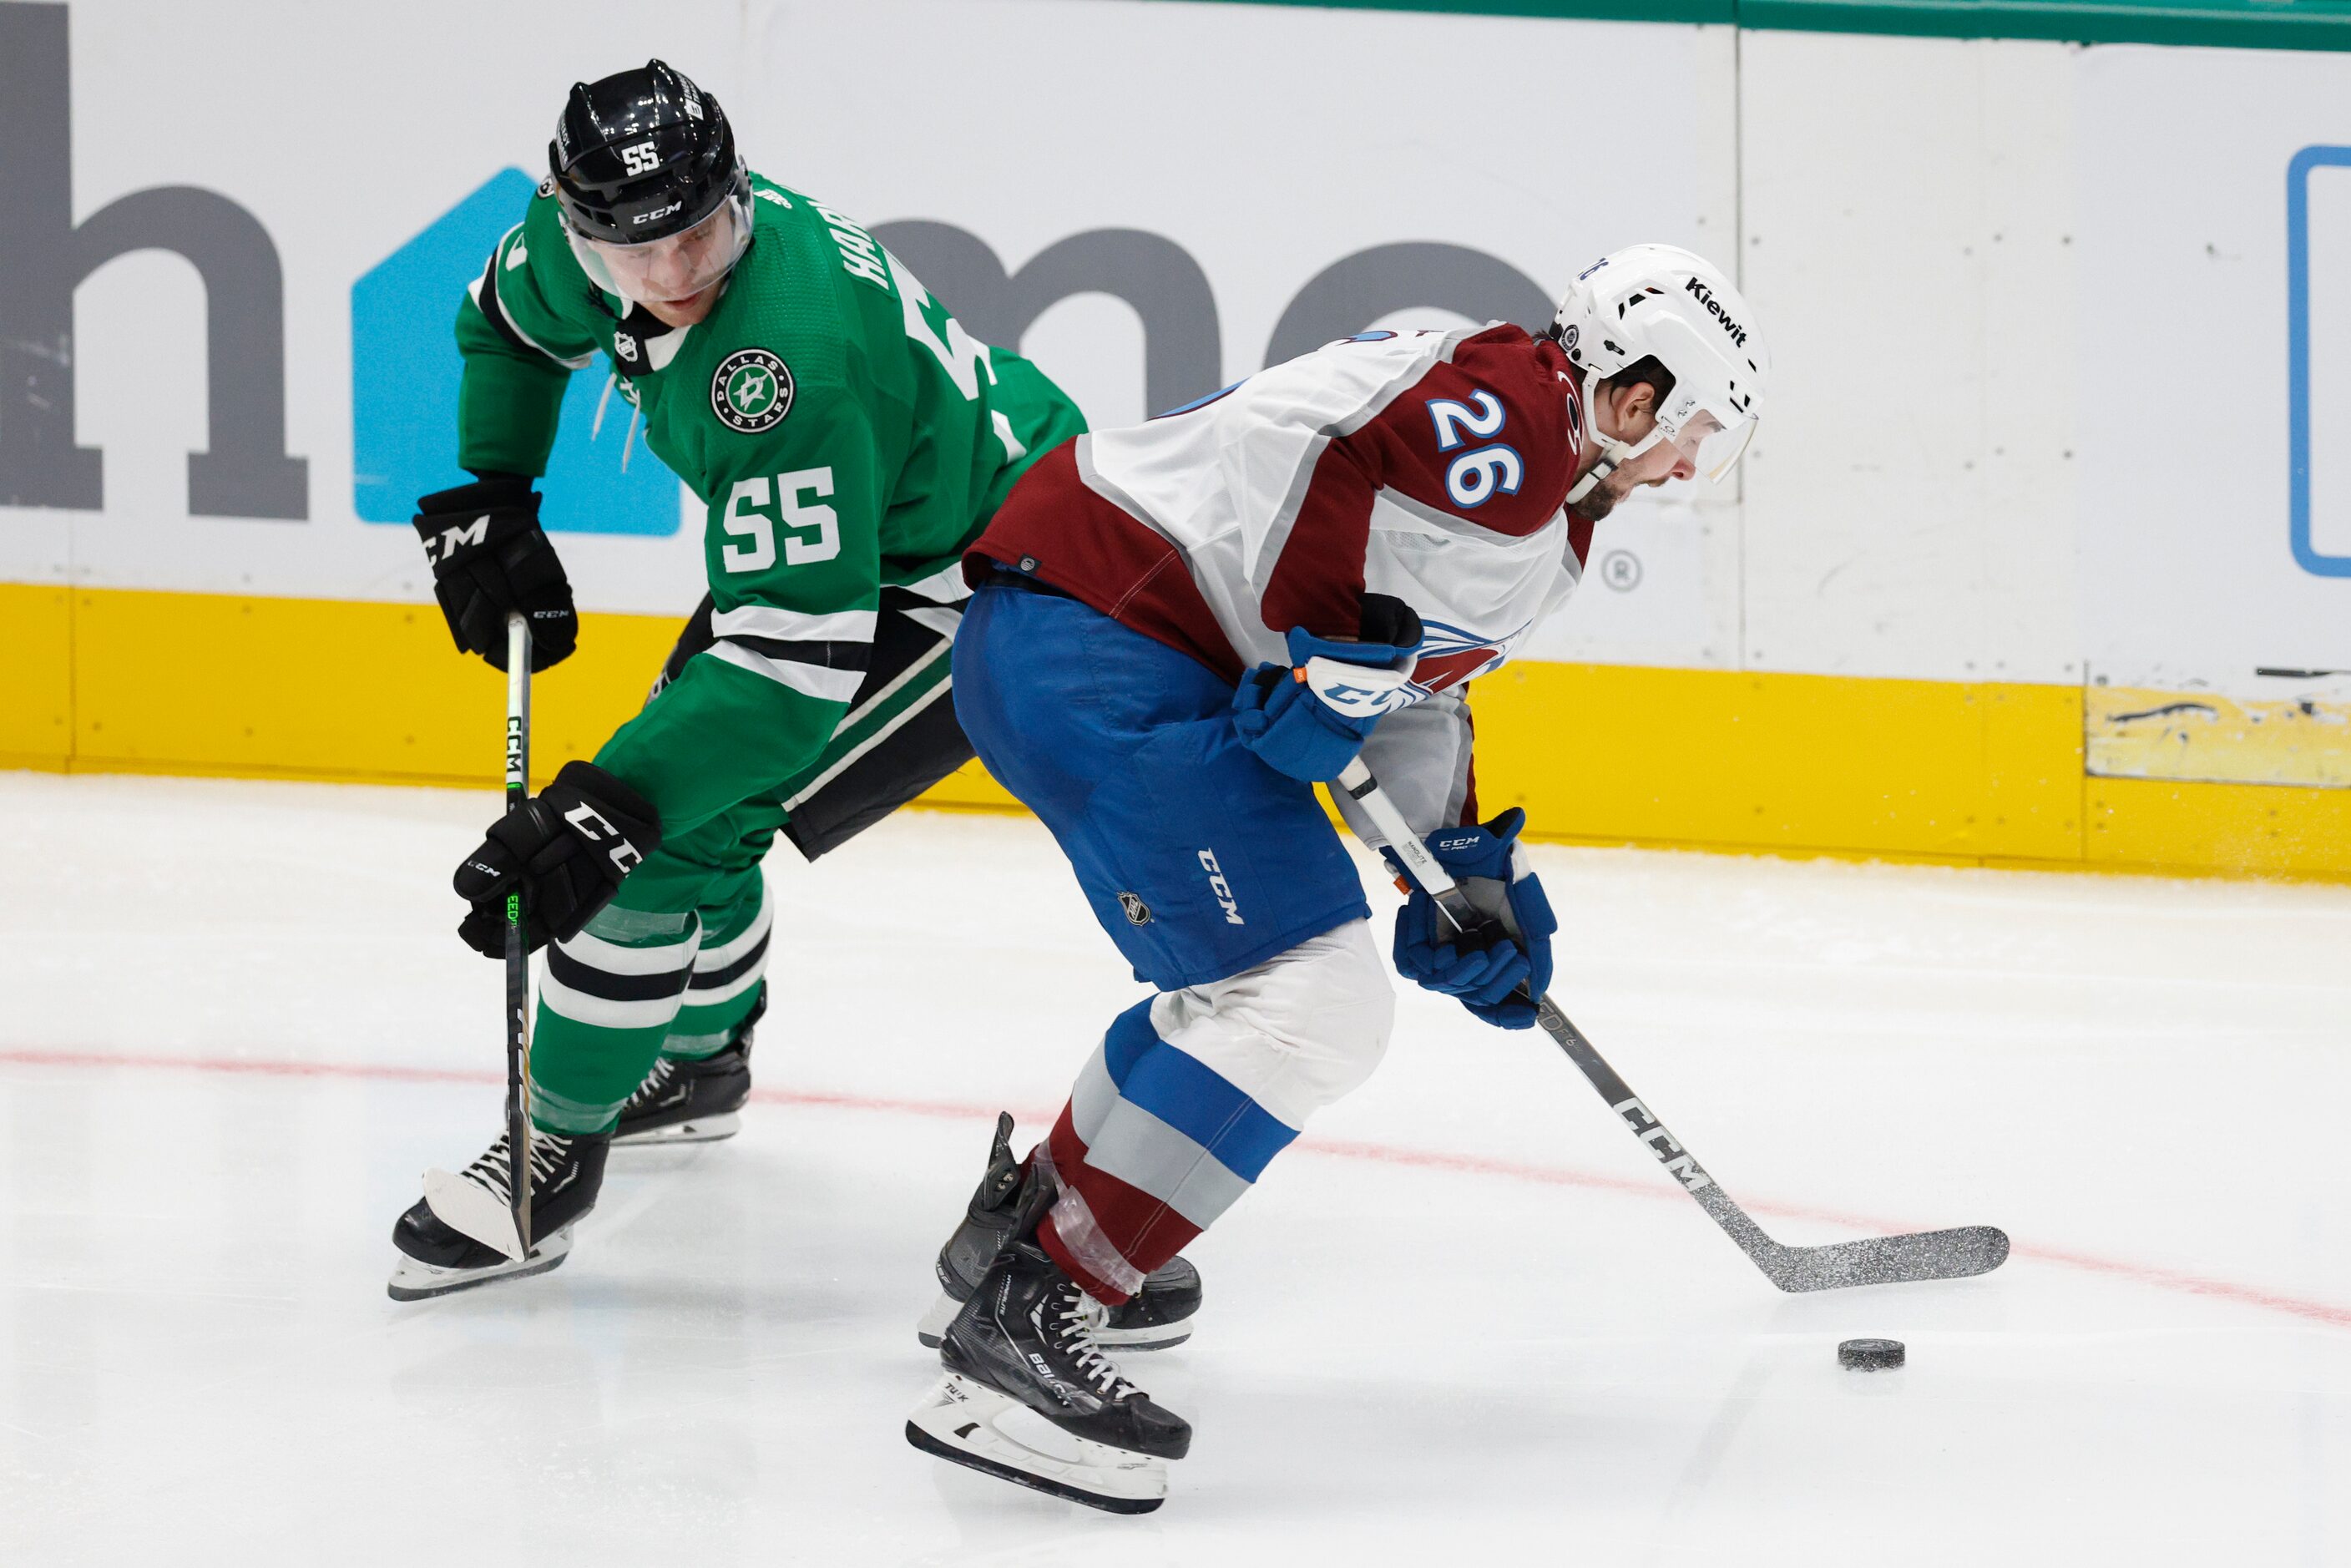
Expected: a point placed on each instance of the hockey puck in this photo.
(1871, 1355)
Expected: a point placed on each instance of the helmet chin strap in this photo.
(1614, 454)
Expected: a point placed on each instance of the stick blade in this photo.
(1958, 1254)
(473, 1211)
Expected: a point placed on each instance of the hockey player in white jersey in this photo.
(1178, 630)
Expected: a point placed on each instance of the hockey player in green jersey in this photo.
(849, 439)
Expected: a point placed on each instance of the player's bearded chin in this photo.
(1602, 498)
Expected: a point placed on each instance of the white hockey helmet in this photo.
(1663, 300)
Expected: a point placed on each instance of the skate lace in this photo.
(547, 1150)
(1075, 1336)
(663, 1071)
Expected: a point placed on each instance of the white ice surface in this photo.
(1466, 1319)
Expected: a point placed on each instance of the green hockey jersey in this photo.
(842, 430)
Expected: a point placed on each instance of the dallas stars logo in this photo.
(751, 390)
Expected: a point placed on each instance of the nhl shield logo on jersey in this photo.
(751, 390)
(1137, 912)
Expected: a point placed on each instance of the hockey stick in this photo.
(517, 951)
(1879, 1260)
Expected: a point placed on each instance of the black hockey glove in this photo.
(567, 848)
(490, 557)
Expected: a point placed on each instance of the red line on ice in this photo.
(1334, 1148)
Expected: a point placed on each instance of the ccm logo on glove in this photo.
(1499, 967)
(565, 849)
(596, 830)
(445, 545)
(494, 563)
(1309, 718)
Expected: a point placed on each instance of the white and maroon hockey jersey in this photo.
(1433, 467)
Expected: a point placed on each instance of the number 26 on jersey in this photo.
(1473, 478)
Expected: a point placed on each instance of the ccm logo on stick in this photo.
(1652, 1132)
(1221, 888)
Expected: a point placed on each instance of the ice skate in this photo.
(461, 1233)
(692, 1100)
(1023, 1347)
(1156, 1317)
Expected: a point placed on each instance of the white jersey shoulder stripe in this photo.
(1109, 489)
(1263, 550)
(1407, 375)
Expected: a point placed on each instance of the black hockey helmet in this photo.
(643, 154)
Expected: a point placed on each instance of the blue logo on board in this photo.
(404, 372)
(2300, 535)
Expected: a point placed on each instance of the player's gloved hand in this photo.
(567, 848)
(490, 557)
(1310, 718)
(1486, 965)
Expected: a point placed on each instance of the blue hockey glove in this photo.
(1310, 718)
(1483, 967)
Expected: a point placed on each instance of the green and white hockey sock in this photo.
(727, 969)
(609, 999)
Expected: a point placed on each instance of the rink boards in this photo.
(1988, 772)
(2043, 552)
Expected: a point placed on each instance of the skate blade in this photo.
(413, 1280)
(933, 1326)
(700, 1130)
(473, 1211)
(958, 1423)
